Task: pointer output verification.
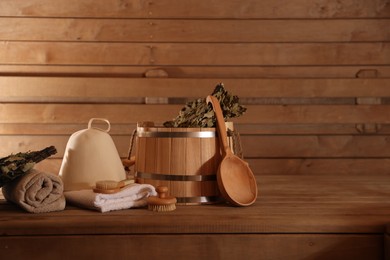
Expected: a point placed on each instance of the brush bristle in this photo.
(162, 208)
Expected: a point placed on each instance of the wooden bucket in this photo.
(185, 160)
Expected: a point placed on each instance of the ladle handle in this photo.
(220, 122)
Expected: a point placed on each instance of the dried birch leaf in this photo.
(198, 113)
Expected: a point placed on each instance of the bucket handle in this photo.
(131, 144)
(100, 119)
(130, 161)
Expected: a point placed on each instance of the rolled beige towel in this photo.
(36, 192)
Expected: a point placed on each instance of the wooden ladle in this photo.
(236, 181)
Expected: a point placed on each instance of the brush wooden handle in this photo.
(162, 191)
(162, 198)
(162, 202)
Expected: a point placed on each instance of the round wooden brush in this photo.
(109, 187)
(162, 202)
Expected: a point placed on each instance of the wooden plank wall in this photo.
(315, 75)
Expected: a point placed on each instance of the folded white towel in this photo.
(132, 196)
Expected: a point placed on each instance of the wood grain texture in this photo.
(245, 129)
(187, 30)
(320, 166)
(282, 54)
(197, 246)
(284, 166)
(335, 146)
(306, 70)
(64, 113)
(129, 113)
(387, 245)
(301, 68)
(311, 217)
(178, 71)
(197, 9)
(96, 89)
(286, 205)
(281, 146)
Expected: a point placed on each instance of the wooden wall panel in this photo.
(197, 8)
(315, 166)
(187, 30)
(65, 113)
(200, 54)
(244, 129)
(289, 166)
(71, 89)
(254, 147)
(179, 71)
(128, 113)
(313, 74)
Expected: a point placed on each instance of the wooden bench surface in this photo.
(309, 216)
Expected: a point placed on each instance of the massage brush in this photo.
(109, 187)
(162, 202)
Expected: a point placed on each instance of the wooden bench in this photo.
(295, 217)
(317, 146)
